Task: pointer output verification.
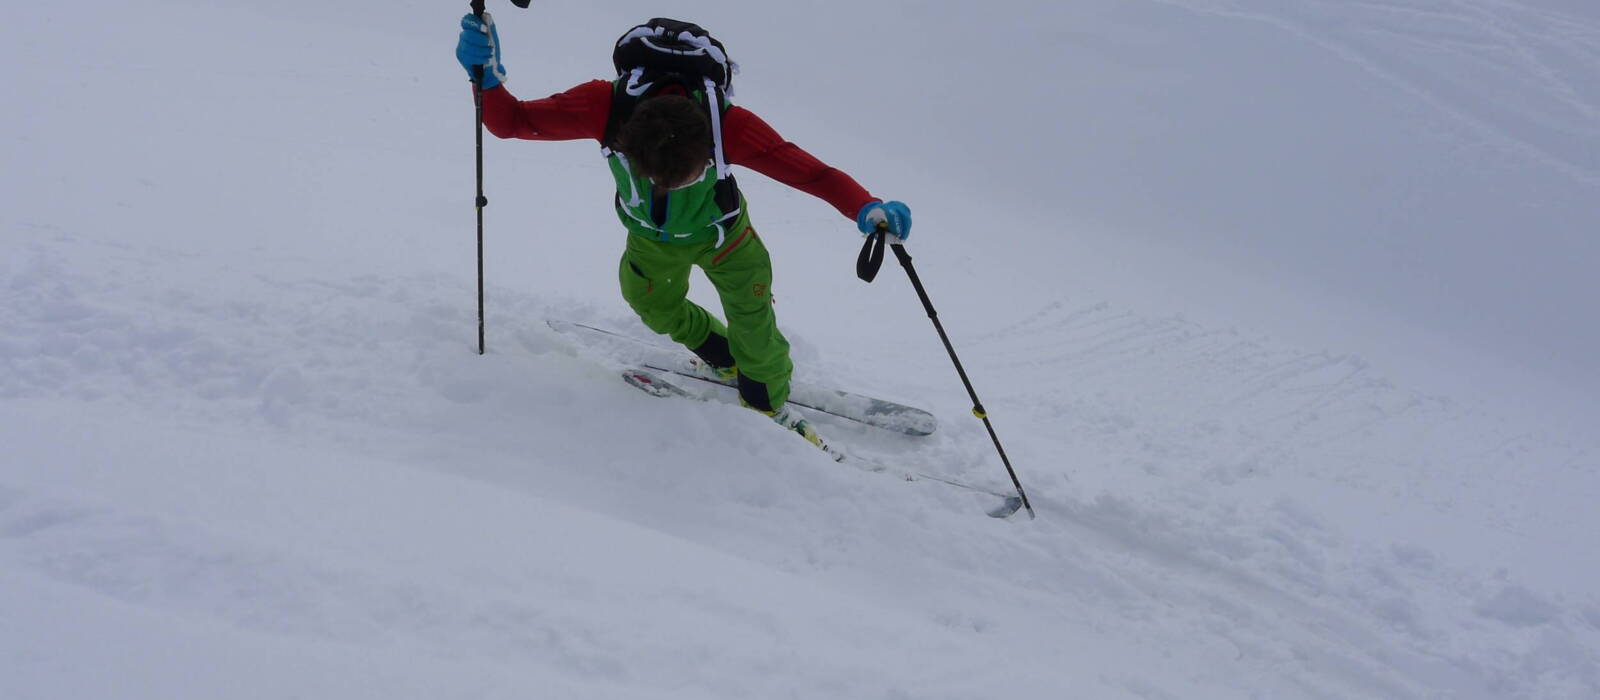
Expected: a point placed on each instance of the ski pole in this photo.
(480, 202)
(867, 268)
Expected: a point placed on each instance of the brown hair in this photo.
(667, 139)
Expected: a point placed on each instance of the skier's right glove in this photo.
(894, 217)
(480, 46)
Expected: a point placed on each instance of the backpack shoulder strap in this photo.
(625, 97)
(622, 105)
(716, 104)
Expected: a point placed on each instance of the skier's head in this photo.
(668, 140)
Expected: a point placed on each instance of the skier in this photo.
(669, 151)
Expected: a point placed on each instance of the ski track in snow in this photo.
(1209, 413)
(1433, 50)
(1164, 459)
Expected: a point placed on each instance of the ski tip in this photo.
(1008, 508)
(652, 384)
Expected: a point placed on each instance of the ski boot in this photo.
(700, 368)
(791, 419)
(713, 360)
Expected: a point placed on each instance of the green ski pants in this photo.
(655, 282)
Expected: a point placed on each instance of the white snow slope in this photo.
(1281, 309)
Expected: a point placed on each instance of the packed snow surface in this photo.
(1282, 310)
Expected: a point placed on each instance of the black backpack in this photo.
(669, 50)
(672, 56)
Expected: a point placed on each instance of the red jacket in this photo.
(581, 113)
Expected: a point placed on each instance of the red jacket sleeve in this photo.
(750, 142)
(579, 113)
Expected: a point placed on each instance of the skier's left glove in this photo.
(894, 217)
(479, 45)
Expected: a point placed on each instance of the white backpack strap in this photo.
(634, 87)
(716, 127)
(637, 33)
(634, 199)
(703, 43)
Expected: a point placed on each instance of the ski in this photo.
(682, 366)
(1008, 506)
(654, 384)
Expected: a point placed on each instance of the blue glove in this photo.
(893, 216)
(480, 46)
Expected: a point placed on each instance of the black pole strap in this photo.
(871, 258)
